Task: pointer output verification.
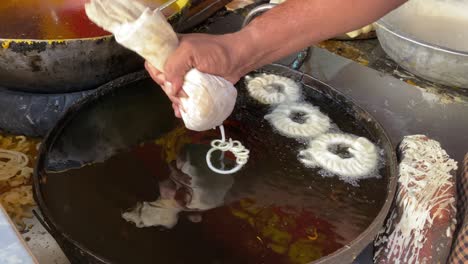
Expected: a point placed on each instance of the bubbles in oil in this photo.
(190, 187)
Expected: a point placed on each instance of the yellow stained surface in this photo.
(16, 192)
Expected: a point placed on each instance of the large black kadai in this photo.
(121, 146)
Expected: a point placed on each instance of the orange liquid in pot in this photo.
(50, 19)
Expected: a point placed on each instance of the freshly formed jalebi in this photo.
(273, 89)
(234, 146)
(363, 161)
(315, 122)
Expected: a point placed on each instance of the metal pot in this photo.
(68, 65)
(105, 123)
(429, 61)
(62, 66)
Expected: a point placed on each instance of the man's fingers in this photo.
(176, 110)
(174, 84)
(176, 67)
(169, 89)
(182, 94)
(232, 79)
(160, 79)
(151, 69)
(166, 86)
(155, 74)
(175, 99)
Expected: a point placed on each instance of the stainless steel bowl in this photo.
(427, 60)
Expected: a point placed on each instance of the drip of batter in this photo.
(273, 89)
(315, 122)
(233, 146)
(362, 163)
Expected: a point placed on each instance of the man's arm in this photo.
(285, 29)
(297, 24)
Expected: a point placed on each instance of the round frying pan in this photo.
(122, 146)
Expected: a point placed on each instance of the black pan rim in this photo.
(344, 255)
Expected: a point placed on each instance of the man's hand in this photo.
(213, 54)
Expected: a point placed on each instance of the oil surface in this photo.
(50, 19)
(273, 211)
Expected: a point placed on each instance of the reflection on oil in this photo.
(268, 230)
(191, 187)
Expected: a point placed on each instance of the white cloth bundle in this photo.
(211, 99)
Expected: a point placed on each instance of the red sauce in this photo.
(48, 19)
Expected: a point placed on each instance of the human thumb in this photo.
(175, 70)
